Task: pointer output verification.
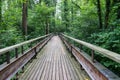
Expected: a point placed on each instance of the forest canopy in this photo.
(94, 21)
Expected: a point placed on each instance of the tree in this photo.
(0, 12)
(107, 12)
(24, 17)
(99, 14)
(65, 14)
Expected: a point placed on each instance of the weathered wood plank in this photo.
(60, 70)
(112, 55)
(4, 50)
(53, 64)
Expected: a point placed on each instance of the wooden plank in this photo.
(60, 69)
(41, 70)
(35, 68)
(15, 66)
(57, 69)
(18, 63)
(75, 73)
(50, 69)
(49, 59)
(47, 55)
(37, 73)
(63, 69)
(31, 70)
(112, 55)
(72, 71)
(66, 68)
(27, 69)
(80, 73)
(53, 64)
(64, 62)
(45, 72)
(40, 61)
(4, 50)
(51, 50)
(94, 70)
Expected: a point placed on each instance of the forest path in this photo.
(54, 63)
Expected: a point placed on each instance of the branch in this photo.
(76, 4)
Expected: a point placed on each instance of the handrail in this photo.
(4, 50)
(112, 55)
(11, 66)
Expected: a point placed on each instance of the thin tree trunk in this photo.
(66, 21)
(40, 1)
(53, 24)
(118, 10)
(99, 14)
(24, 18)
(72, 15)
(0, 12)
(107, 13)
(47, 27)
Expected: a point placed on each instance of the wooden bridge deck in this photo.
(53, 63)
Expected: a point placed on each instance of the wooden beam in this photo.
(4, 50)
(111, 55)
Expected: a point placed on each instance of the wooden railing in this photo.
(111, 55)
(2, 51)
(12, 65)
(94, 69)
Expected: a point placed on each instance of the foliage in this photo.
(77, 18)
(37, 22)
(109, 39)
(84, 25)
(9, 30)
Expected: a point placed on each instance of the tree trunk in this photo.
(118, 13)
(107, 13)
(66, 21)
(47, 27)
(72, 13)
(53, 24)
(24, 18)
(40, 1)
(0, 12)
(99, 14)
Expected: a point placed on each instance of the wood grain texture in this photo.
(111, 55)
(54, 63)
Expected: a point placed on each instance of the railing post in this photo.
(92, 55)
(35, 52)
(81, 67)
(17, 76)
(81, 47)
(23, 69)
(16, 52)
(0, 57)
(22, 50)
(8, 57)
(71, 49)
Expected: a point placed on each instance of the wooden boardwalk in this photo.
(53, 63)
